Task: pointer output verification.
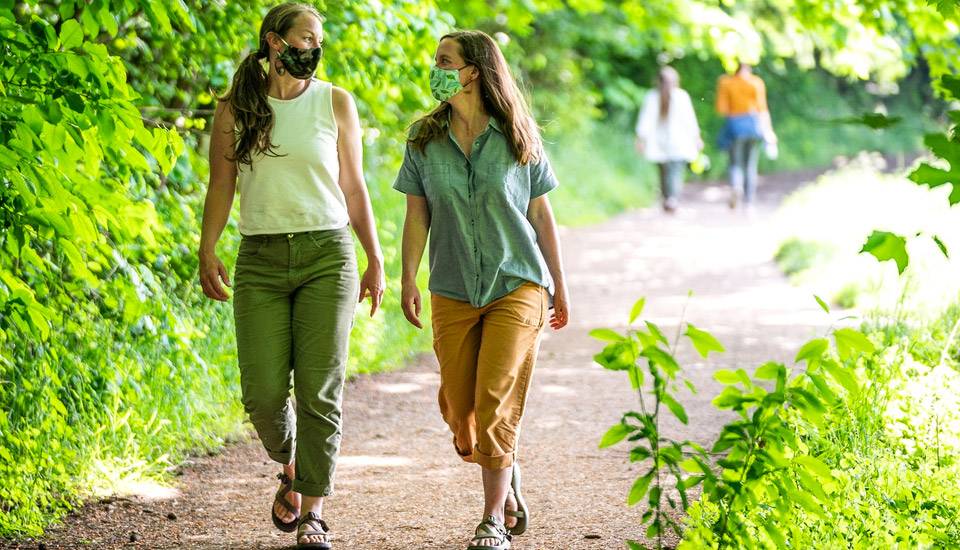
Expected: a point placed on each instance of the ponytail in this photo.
(251, 111)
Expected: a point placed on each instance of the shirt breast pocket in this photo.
(437, 177)
(511, 184)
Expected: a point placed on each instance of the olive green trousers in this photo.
(294, 302)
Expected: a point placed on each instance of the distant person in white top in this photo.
(291, 144)
(668, 134)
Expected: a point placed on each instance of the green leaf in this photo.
(90, 24)
(850, 341)
(949, 150)
(663, 359)
(812, 351)
(844, 376)
(675, 407)
(616, 434)
(691, 481)
(884, 245)
(823, 305)
(773, 531)
(634, 545)
(815, 466)
(950, 84)
(71, 34)
(639, 489)
(657, 333)
(941, 246)
(639, 453)
(108, 21)
(637, 309)
(703, 341)
(606, 335)
(726, 376)
(636, 377)
(769, 371)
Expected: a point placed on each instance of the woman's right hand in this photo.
(410, 302)
(212, 271)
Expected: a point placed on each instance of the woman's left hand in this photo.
(561, 309)
(372, 284)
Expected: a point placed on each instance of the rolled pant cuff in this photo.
(312, 489)
(282, 458)
(492, 462)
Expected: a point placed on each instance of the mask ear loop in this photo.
(277, 64)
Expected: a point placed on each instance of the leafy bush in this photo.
(859, 449)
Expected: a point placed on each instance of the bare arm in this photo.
(350, 151)
(217, 204)
(416, 226)
(541, 217)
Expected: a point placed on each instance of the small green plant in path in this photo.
(761, 469)
(627, 352)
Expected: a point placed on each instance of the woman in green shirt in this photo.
(476, 177)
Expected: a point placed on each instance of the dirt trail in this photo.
(399, 484)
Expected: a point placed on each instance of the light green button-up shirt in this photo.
(482, 247)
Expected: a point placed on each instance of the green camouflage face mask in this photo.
(445, 83)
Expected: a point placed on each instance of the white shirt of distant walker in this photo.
(674, 138)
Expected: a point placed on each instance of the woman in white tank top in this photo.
(290, 144)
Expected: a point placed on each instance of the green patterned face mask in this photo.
(445, 83)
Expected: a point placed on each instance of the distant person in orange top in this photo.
(742, 99)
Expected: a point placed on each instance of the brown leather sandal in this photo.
(286, 485)
(311, 525)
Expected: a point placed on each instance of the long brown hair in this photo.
(501, 98)
(248, 93)
(667, 80)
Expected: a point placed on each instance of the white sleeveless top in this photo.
(298, 191)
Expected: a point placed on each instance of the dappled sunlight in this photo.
(925, 409)
(120, 478)
(556, 390)
(363, 461)
(401, 387)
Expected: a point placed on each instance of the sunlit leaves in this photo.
(934, 176)
(884, 245)
(703, 341)
(71, 34)
(852, 342)
(616, 434)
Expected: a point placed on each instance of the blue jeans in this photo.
(744, 155)
(671, 178)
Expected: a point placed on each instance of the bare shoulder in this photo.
(223, 115)
(343, 103)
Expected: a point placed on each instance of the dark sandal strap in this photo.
(496, 530)
(281, 496)
(311, 525)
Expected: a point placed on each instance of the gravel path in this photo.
(400, 486)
